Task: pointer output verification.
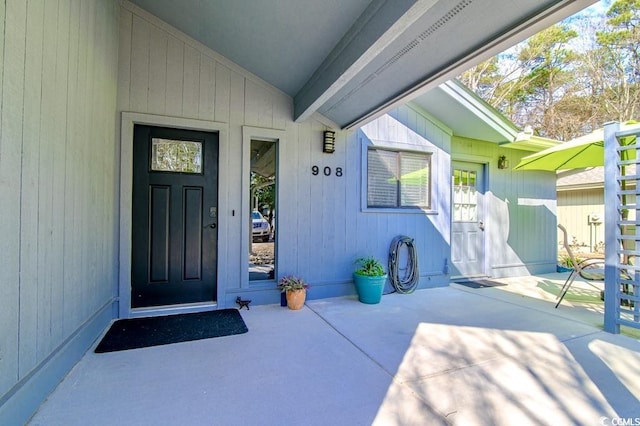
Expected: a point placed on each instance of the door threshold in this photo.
(187, 308)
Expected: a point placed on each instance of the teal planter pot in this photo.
(369, 288)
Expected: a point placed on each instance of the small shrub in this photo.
(290, 282)
(369, 266)
(565, 260)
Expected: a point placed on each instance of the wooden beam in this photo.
(381, 23)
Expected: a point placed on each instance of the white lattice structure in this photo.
(622, 296)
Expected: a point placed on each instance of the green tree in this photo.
(617, 67)
(570, 78)
(484, 77)
(547, 63)
(263, 192)
(527, 83)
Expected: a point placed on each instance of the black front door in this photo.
(175, 207)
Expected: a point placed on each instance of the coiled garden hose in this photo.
(408, 283)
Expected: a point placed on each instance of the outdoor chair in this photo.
(591, 270)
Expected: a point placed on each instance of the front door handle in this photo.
(481, 225)
(211, 225)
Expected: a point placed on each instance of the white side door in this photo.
(467, 227)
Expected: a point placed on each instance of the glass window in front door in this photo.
(465, 196)
(176, 156)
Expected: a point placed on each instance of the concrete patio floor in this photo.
(453, 355)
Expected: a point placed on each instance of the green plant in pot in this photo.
(369, 278)
(295, 288)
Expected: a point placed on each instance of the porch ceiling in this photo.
(352, 60)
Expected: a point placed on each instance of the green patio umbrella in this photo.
(585, 151)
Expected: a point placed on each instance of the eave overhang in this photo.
(371, 72)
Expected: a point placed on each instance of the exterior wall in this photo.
(407, 127)
(166, 73)
(58, 190)
(520, 211)
(321, 228)
(323, 223)
(574, 209)
(67, 66)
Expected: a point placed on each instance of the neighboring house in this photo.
(126, 148)
(580, 197)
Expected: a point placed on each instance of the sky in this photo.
(595, 12)
(597, 9)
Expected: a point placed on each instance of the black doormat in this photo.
(481, 283)
(136, 333)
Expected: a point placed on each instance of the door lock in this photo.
(481, 225)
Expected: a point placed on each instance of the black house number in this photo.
(327, 171)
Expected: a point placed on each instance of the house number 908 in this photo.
(315, 170)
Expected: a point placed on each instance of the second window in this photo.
(398, 179)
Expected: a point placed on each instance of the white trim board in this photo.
(259, 133)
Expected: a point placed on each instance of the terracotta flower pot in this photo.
(296, 298)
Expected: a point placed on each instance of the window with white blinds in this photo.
(398, 179)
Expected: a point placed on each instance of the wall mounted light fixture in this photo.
(503, 163)
(329, 141)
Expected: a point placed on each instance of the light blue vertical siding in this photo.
(58, 171)
(409, 128)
